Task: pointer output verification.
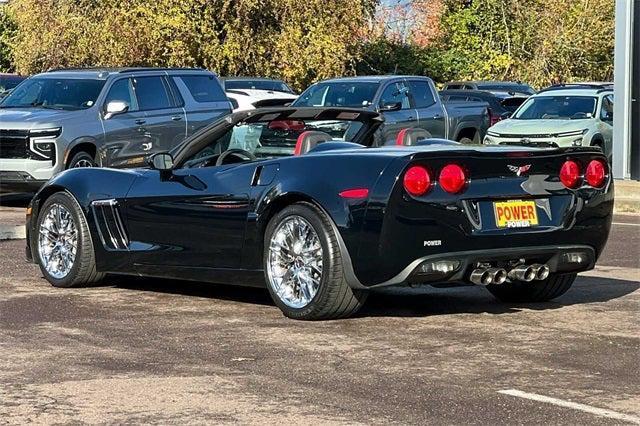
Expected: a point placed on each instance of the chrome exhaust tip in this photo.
(542, 271)
(523, 273)
(498, 275)
(481, 276)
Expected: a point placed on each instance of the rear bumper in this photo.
(559, 259)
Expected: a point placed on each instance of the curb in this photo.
(12, 232)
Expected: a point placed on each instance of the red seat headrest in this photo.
(409, 136)
(309, 140)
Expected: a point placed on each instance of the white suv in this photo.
(563, 116)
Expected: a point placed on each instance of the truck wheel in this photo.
(303, 266)
(82, 159)
(63, 245)
(536, 291)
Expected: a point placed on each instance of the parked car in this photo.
(324, 221)
(100, 117)
(8, 82)
(404, 101)
(250, 93)
(513, 87)
(501, 104)
(561, 116)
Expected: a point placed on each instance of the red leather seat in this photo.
(308, 140)
(409, 136)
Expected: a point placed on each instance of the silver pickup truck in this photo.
(404, 101)
(100, 117)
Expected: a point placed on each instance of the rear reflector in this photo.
(596, 173)
(355, 193)
(570, 174)
(452, 178)
(417, 181)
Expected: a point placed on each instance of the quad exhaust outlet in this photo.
(526, 273)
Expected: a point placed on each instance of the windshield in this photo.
(520, 88)
(341, 94)
(268, 139)
(54, 93)
(273, 85)
(9, 82)
(557, 108)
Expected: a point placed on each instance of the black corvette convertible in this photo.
(297, 199)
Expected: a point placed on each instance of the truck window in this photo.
(396, 92)
(203, 88)
(151, 93)
(421, 93)
(122, 90)
(606, 112)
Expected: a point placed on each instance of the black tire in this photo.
(82, 159)
(536, 291)
(334, 297)
(83, 271)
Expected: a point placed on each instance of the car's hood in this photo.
(524, 127)
(28, 118)
(262, 94)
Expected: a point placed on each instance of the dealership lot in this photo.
(138, 350)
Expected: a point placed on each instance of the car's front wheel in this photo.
(63, 245)
(535, 291)
(303, 266)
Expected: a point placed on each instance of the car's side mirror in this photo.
(391, 106)
(115, 108)
(505, 115)
(163, 162)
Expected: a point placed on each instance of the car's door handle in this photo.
(435, 117)
(140, 121)
(411, 119)
(176, 118)
(142, 129)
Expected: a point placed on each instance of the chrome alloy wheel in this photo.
(82, 163)
(294, 262)
(58, 241)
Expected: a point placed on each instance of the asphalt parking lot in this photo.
(148, 350)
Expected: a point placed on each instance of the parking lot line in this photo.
(574, 405)
(625, 223)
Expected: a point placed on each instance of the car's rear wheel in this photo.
(536, 291)
(303, 266)
(63, 245)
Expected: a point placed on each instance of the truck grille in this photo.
(14, 143)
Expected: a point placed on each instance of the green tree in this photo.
(7, 32)
(300, 41)
(532, 40)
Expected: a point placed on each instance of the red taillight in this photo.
(355, 193)
(596, 173)
(452, 178)
(493, 119)
(293, 125)
(417, 181)
(570, 174)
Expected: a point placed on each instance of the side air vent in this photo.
(110, 226)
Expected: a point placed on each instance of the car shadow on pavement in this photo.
(15, 200)
(399, 301)
(408, 302)
(257, 296)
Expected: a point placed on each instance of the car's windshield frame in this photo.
(518, 115)
(91, 94)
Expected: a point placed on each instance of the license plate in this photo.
(515, 214)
